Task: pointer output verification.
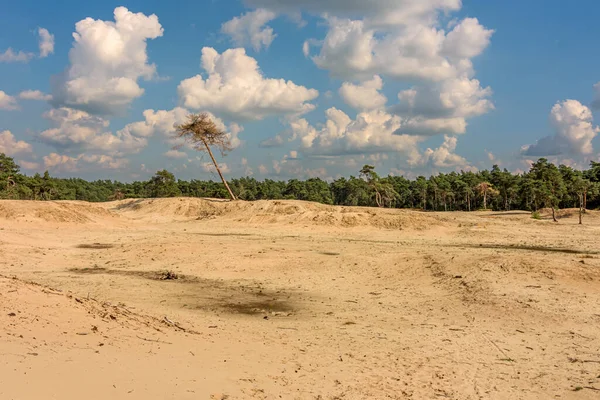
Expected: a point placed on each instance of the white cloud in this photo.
(351, 49)
(574, 132)
(236, 88)
(442, 107)
(370, 132)
(247, 169)
(7, 102)
(78, 131)
(10, 56)
(275, 141)
(160, 121)
(104, 161)
(175, 154)
(164, 122)
(262, 169)
(291, 167)
(210, 167)
(34, 95)
(46, 43)
(60, 162)
(10, 146)
(64, 163)
(250, 29)
(365, 96)
(466, 40)
(444, 156)
(404, 40)
(376, 12)
(29, 165)
(306, 48)
(107, 59)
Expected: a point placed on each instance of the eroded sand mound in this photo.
(53, 211)
(274, 211)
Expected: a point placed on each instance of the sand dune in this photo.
(208, 299)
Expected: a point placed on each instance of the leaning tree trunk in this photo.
(580, 209)
(378, 199)
(219, 171)
(554, 215)
(485, 199)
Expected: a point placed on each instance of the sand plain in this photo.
(294, 300)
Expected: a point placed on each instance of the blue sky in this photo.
(413, 87)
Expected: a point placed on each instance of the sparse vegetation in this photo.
(168, 276)
(536, 215)
(545, 185)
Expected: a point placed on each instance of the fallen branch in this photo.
(574, 360)
(176, 325)
(48, 292)
(153, 340)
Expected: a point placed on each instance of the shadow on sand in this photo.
(213, 295)
(527, 248)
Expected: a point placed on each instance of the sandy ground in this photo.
(292, 300)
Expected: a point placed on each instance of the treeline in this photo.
(545, 185)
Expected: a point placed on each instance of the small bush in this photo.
(168, 276)
(536, 215)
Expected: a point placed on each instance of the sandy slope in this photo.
(294, 300)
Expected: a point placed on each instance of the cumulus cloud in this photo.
(175, 154)
(210, 167)
(365, 96)
(445, 156)
(442, 107)
(376, 12)
(164, 122)
(159, 121)
(250, 29)
(29, 165)
(9, 56)
(107, 59)
(574, 132)
(403, 40)
(77, 131)
(370, 132)
(46, 45)
(34, 95)
(275, 141)
(236, 88)
(10, 146)
(262, 169)
(466, 40)
(351, 49)
(290, 166)
(46, 42)
(7, 102)
(64, 163)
